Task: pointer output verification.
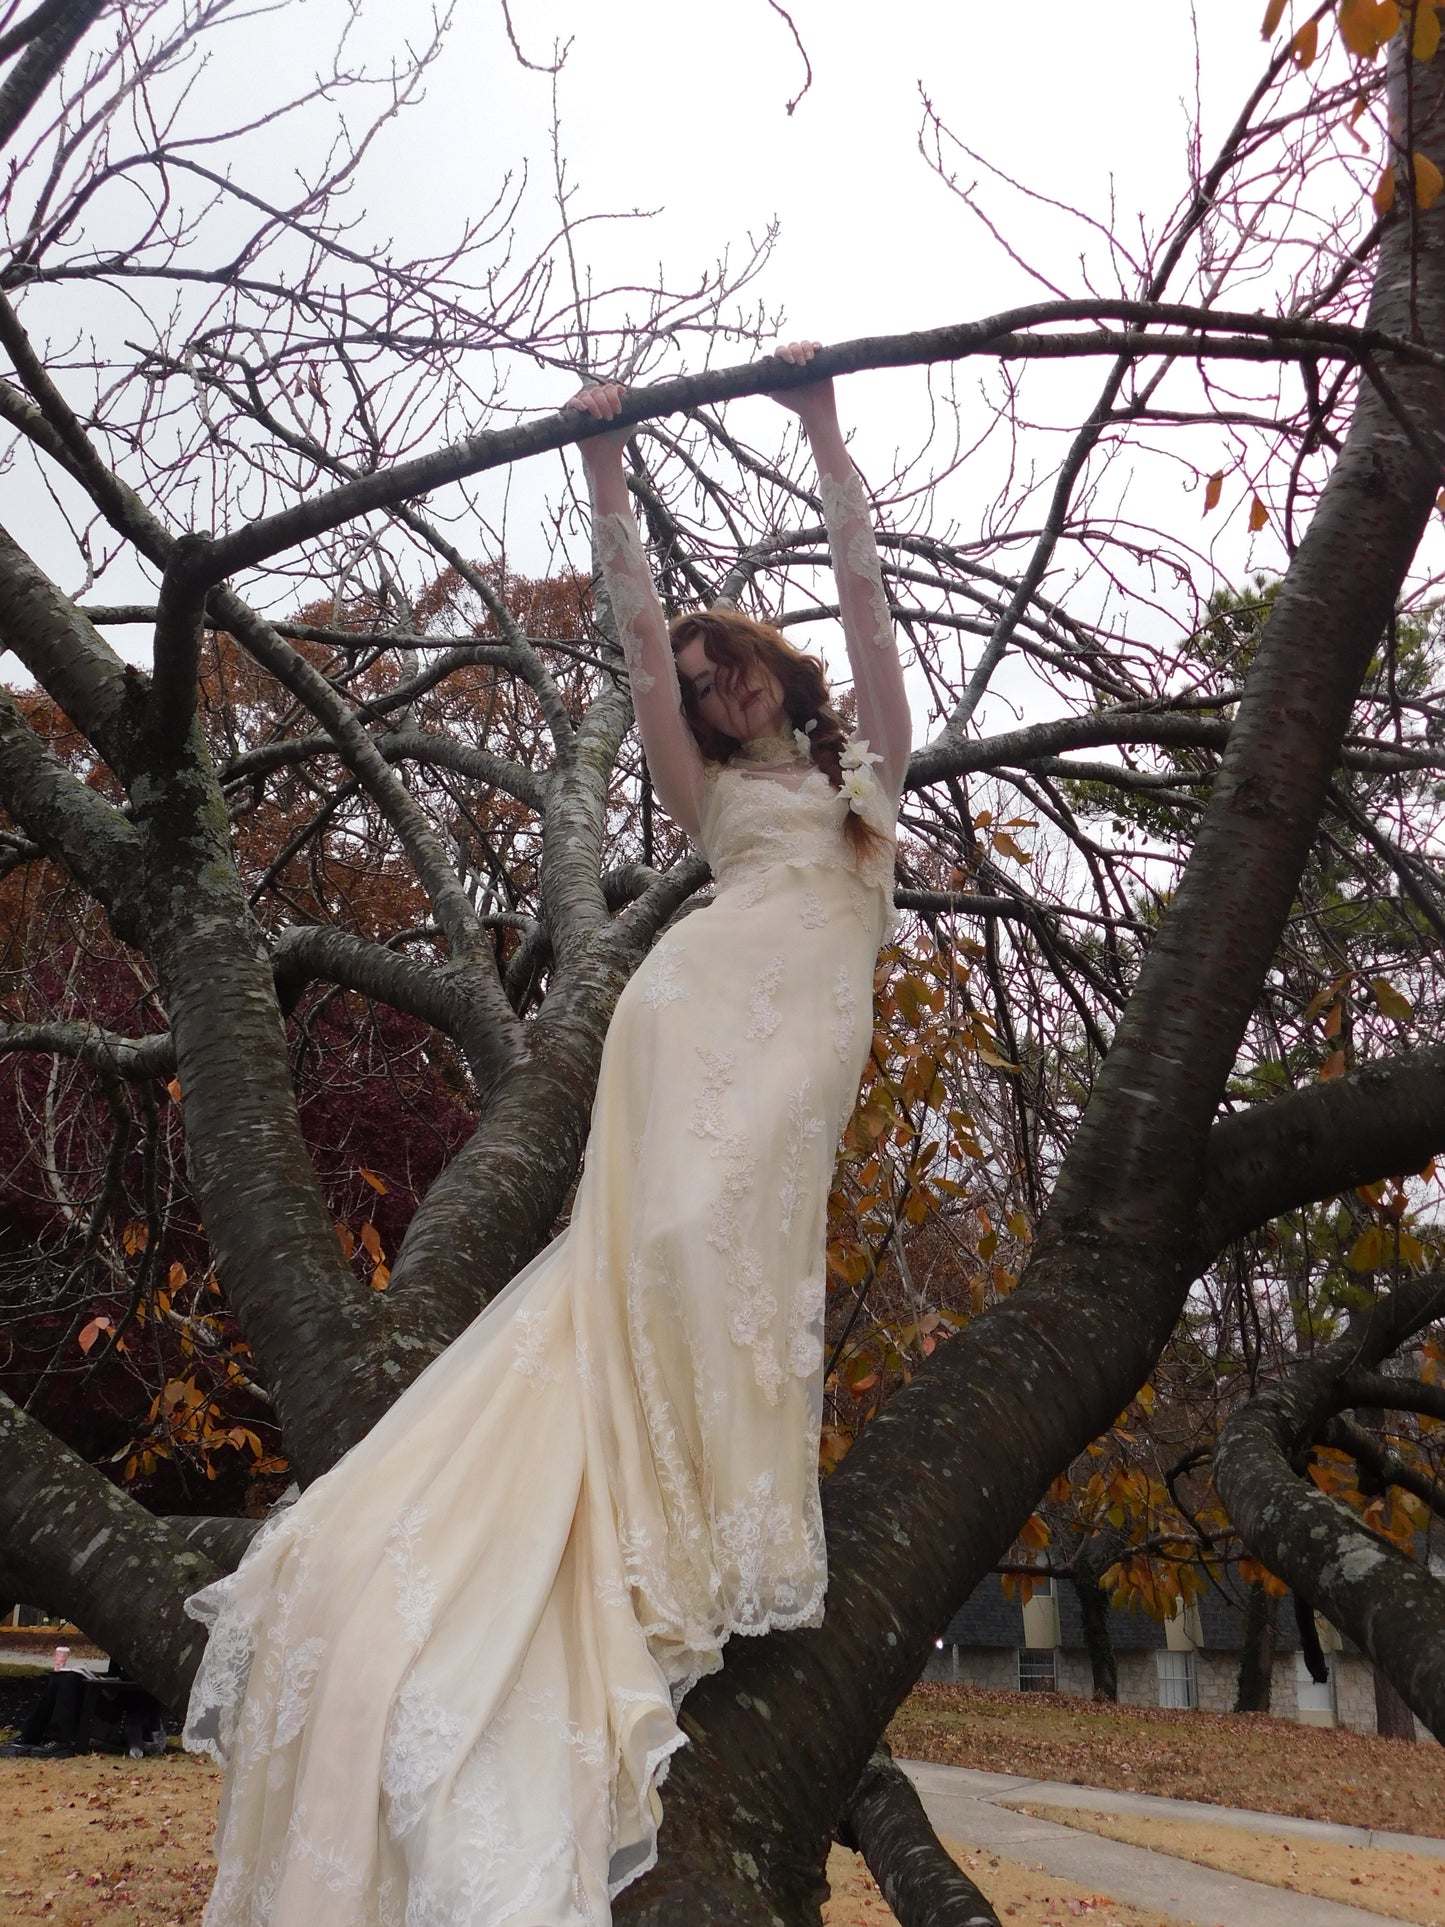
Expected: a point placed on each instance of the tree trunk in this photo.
(1393, 1718)
(1094, 1611)
(1256, 1657)
(1093, 1558)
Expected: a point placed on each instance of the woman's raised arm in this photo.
(673, 760)
(883, 715)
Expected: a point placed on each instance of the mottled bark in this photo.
(1256, 1653)
(922, 1883)
(249, 1169)
(74, 1544)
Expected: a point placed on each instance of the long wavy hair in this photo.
(736, 645)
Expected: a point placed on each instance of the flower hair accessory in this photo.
(802, 737)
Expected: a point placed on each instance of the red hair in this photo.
(736, 644)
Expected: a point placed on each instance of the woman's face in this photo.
(744, 709)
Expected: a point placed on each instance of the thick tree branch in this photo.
(71, 1540)
(1393, 1607)
(1382, 1120)
(1005, 337)
(49, 34)
(922, 1883)
(1388, 1467)
(70, 821)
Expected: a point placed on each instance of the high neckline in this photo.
(772, 749)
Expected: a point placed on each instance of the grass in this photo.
(1237, 1760)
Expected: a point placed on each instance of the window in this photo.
(1036, 1671)
(1178, 1679)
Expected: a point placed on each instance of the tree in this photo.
(311, 392)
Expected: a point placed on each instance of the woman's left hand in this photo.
(814, 397)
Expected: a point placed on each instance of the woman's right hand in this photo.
(602, 401)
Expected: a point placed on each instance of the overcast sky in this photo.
(680, 111)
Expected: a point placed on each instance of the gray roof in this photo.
(987, 1618)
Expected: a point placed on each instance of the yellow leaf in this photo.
(372, 1179)
(1305, 44)
(1390, 1000)
(1440, 501)
(1273, 14)
(1366, 25)
(371, 1240)
(1035, 1534)
(381, 1278)
(1383, 197)
(1005, 845)
(1213, 488)
(1258, 516)
(1425, 38)
(1428, 178)
(1367, 1253)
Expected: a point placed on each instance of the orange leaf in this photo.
(1333, 1066)
(1273, 14)
(371, 1240)
(1383, 197)
(93, 1330)
(1213, 489)
(1428, 179)
(1305, 44)
(174, 1090)
(1425, 38)
(381, 1278)
(372, 1179)
(1258, 516)
(1366, 25)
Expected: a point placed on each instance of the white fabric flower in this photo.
(804, 743)
(860, 788)
(856, 754)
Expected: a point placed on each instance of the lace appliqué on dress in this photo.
(662, 986)
(629, 590)
(421, 1738)
(848, 518)
(416, 1595)
(765, 1013)
(803, 1126)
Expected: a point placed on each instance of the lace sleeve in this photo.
(673, 761)
(883, 716)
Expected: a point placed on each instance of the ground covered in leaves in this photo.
(1234, 1760)
(101, 1842)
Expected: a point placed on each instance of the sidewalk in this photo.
(965, 1806)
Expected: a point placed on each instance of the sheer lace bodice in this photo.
(756, 816)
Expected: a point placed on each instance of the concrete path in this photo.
(967, 1806)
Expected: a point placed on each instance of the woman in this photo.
(444, 1681)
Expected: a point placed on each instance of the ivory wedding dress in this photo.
(444, 1681)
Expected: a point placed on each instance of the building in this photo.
(1191, 1661)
